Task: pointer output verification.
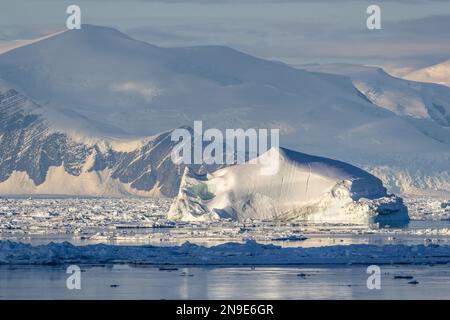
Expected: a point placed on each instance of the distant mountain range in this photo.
(405, 98)
(438, 73)
(90, 111)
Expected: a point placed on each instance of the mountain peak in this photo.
(70, 42)
(438, 73)
(97, 31)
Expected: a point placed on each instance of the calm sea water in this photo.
(129, 282)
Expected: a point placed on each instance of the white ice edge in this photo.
(249, 253)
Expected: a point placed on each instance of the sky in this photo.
(414, 34)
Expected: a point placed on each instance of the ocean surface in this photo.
(131, 282)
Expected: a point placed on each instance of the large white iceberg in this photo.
(302, 188)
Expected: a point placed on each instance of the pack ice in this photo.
(302, 187)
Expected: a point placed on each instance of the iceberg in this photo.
(303, 188)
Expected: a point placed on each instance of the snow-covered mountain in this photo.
(438, 73)
(304, 187)
(97, 87)
(121, 86)
(424, 106)
(403, 97)
(37, 159)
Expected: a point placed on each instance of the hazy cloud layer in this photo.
(295, 31)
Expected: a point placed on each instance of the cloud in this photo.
(423, 39)
(406, 43)
(326, 32)
(145, 90)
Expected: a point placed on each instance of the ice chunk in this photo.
(304, 187)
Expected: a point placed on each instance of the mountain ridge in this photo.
(437, 73)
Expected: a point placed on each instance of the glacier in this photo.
(303, 187)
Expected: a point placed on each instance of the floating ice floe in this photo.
(284, 185)
(248, 253)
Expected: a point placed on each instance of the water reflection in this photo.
(129, 282)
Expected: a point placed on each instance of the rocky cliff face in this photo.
(28, 144)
